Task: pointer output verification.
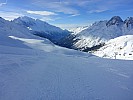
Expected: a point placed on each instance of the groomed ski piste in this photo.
(36, 69)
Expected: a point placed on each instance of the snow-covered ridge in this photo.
(10, 28)
(26, 27)
(36, 24)
(42, 28)
(103, 31)
(118, 48)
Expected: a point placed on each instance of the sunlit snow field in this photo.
(40, 70)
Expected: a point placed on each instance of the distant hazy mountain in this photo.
(42, 28)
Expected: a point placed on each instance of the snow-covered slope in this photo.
(118, 48)
(33, 74)
(42, 28)
(103, 31)
(48, 46)
(17, 35)
(77, 29)
(32, 68)
(8, 28)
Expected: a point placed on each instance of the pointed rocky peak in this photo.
(128, 21)
(116, 20)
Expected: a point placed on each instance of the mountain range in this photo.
(81, 38)
(34, 68)
(88, 38)
(42, 29)
(100, 32)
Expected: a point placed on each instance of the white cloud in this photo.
(74, 15)
(9, 15)
(97, 11)
(66, 10)
(43, 13)
(61, 6)
(3, 3)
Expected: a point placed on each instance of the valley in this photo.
(39, 61)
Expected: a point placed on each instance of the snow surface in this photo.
(37, 74)
(118, 48)
(47, 46)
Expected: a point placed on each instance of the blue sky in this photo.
(66, 13)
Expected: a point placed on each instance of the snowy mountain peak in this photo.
(36, 24)
(26, 18)
(116, 20)
(42, 29)
(129, 21)
(102, 31)
(30, 21)
(26, 21)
